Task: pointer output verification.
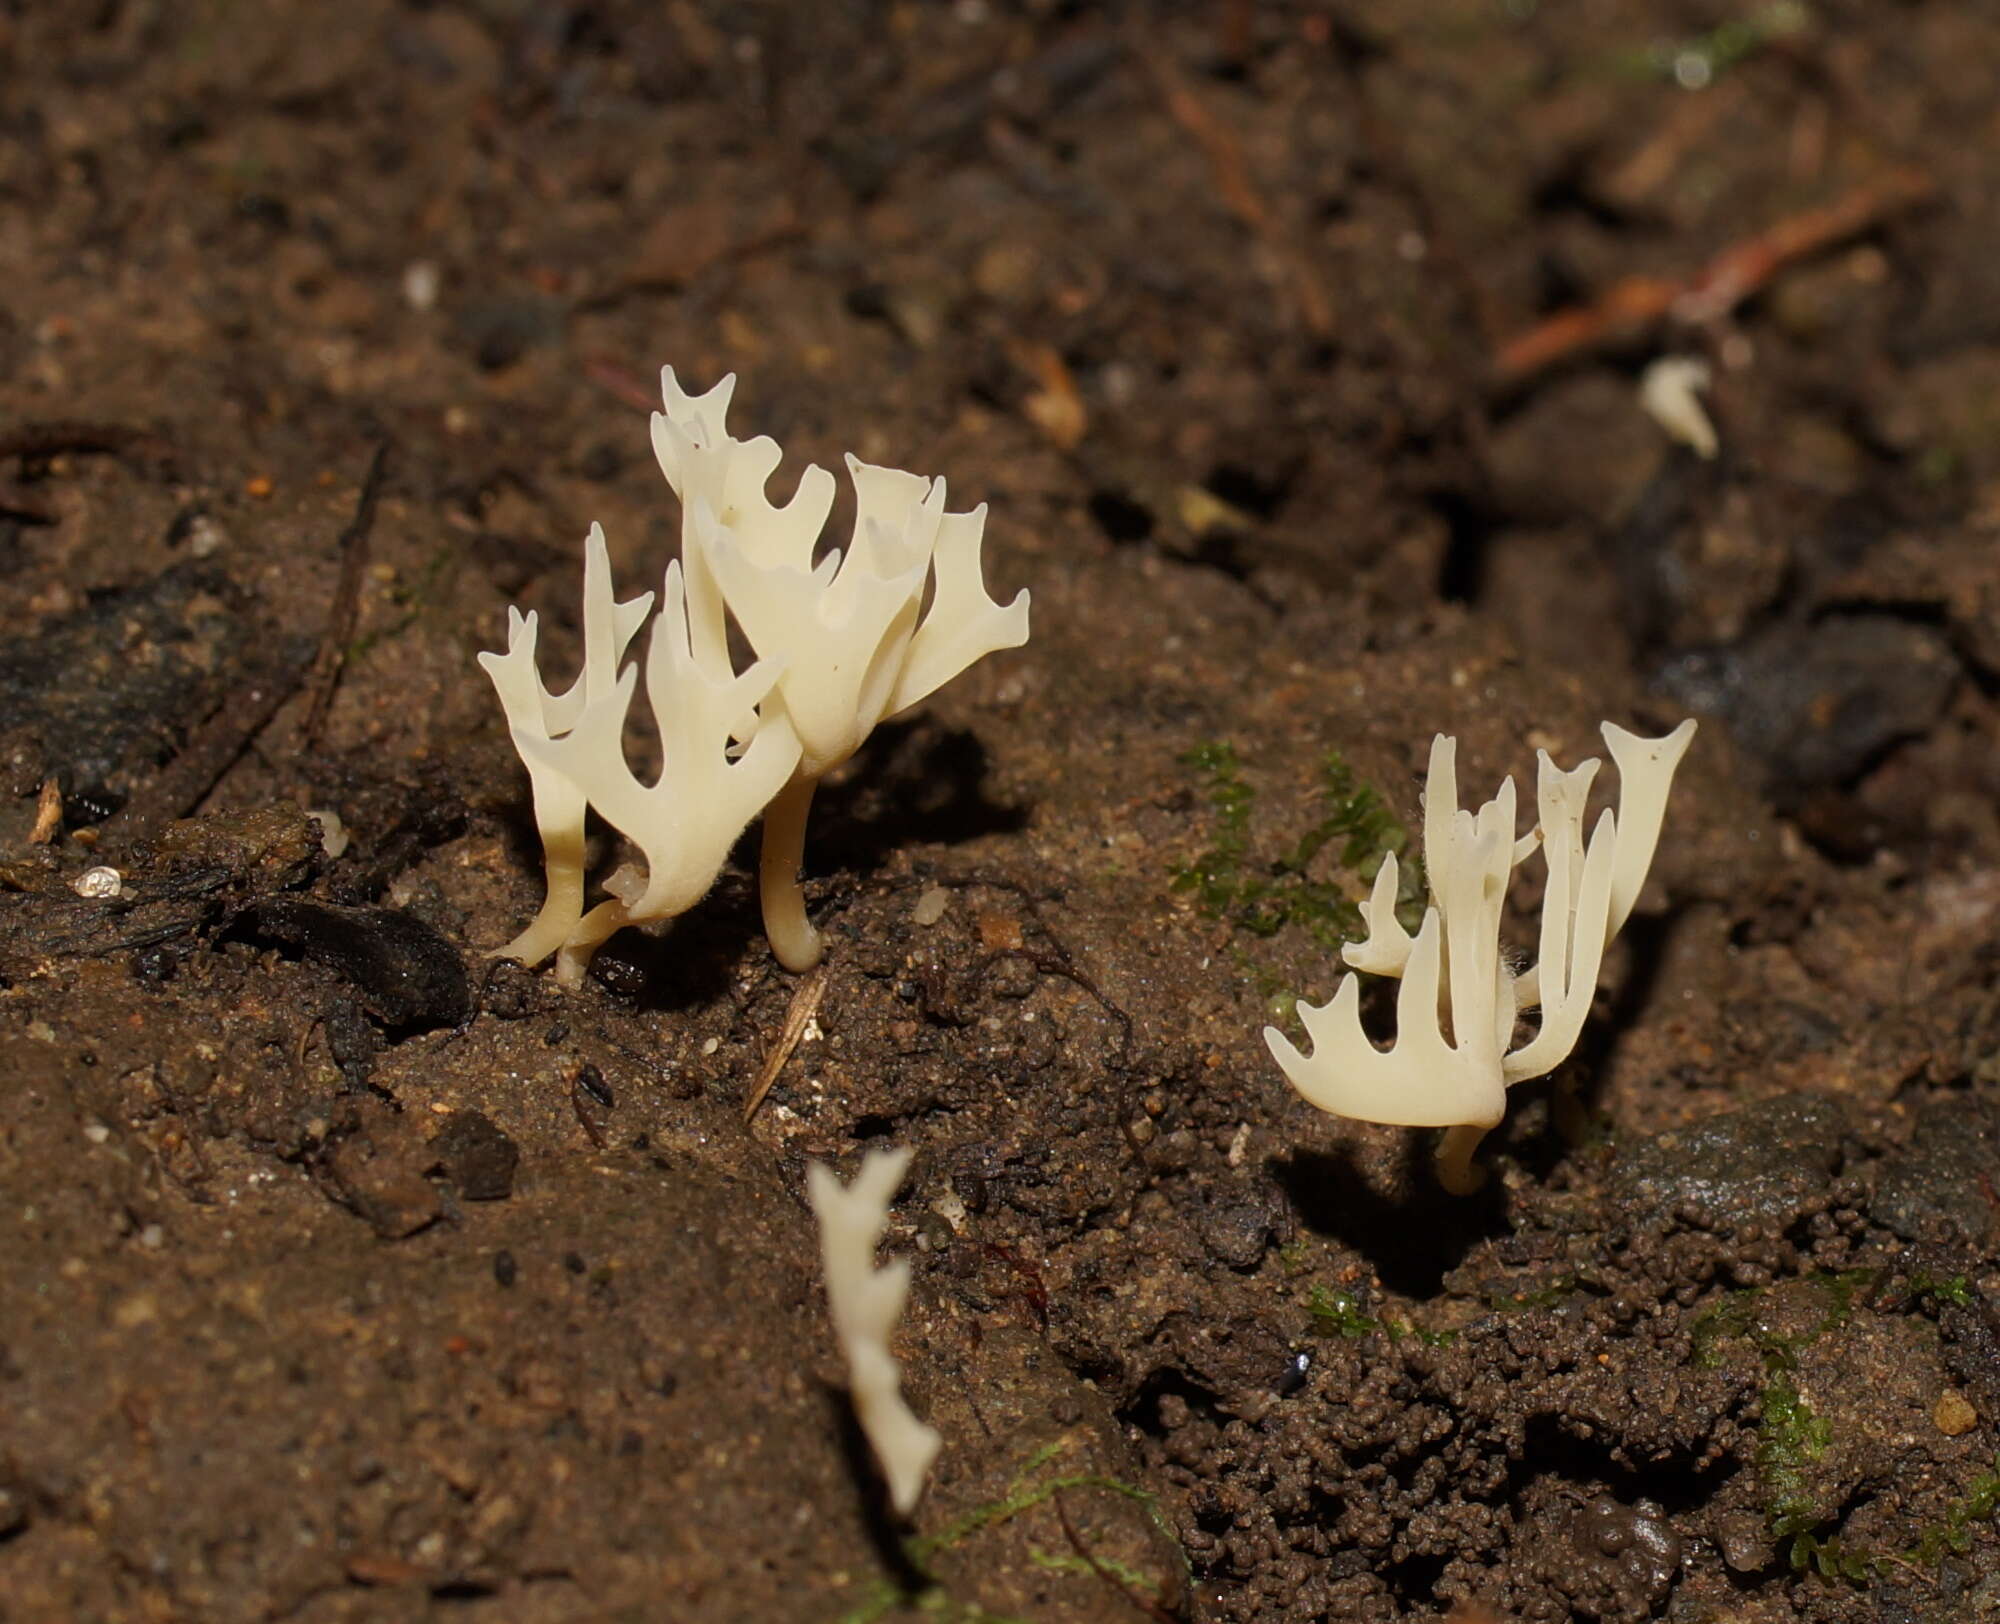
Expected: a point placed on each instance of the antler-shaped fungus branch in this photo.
(842, 642)
(1450, 1065)
(536, 717)
(688, 818)
(857, 638)
(866, 1302)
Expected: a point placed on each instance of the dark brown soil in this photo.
(352, 1275)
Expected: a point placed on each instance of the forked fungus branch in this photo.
(1454, 1058)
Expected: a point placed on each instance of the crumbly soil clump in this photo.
(355, 1275)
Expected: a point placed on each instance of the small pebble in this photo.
(205, 538)
(420, 284)
(102, 881)
(1954, 1416)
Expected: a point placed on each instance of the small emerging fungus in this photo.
(1451, 1065)
(862, 636)
(866, 1302)
(1670, 394)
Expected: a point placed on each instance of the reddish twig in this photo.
(1634, 305)
(620, 383)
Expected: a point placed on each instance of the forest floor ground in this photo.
(355, 1275)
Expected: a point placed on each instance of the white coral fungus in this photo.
(843, 643)
(856, 637)
(866, 1302)
(686, 820)
(1451, 1063)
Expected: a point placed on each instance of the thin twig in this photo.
(1634, 305)
(332, 657)
(805, 1005)
(66, 435)
(214, 748)
(1110, 1576)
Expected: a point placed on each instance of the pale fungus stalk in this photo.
(793, 939)
(865, 1303)
(1451, 1063)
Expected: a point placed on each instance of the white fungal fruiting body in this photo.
(841, 644)
(1670, 393)
(1450, 1065)
(857, 638)
(865, 1303)
(535, 716)
(573, 744)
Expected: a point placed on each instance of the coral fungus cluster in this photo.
(841, 642)
(1454, 1057)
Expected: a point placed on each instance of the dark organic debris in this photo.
(1817, 704)
(195, 877)
(267, 848)
(476, 1156)
(110, 689)
(1763, 1165)
(372, 1161)
(394, 819)
(409, 977)
(591, 1098)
